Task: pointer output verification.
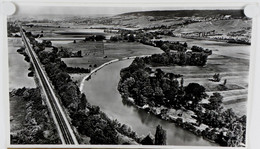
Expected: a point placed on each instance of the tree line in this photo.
(88, 119)
(154, 88)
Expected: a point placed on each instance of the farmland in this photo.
(231, 68)
(148, 77)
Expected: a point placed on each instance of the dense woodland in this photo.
(154, 88)
(37, 126)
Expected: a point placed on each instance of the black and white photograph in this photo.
(160, 76)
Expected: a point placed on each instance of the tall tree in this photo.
(215, 101)
(160, 136)
(194, 93)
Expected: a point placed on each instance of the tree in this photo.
(215, 101)
(131, 38)
(185, 45)
(100, 37)
(194, 93)
(160, 136)
(182, 81)
(216, 77)
(225, 82)
(83, 102)
(165, 48)
(147, 140)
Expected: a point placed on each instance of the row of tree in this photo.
(148, 39)
(88, 119)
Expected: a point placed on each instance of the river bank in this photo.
(181, 117)
(88, 76)
(109, 100)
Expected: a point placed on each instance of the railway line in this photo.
(66, 133)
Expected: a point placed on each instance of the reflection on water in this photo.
(101, 90)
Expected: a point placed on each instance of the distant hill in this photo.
(187, 13)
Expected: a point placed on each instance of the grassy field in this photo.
(231, 61)
(56, 33)
(234, 70)
(111, 51)
(220, 26)
(17, 114)
(240, 108)
(18, 67)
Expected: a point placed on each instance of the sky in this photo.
(79, 10)
(37, 9)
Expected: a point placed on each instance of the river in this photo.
(101, 90)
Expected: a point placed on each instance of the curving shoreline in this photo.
(103, 65)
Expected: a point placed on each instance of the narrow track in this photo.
(65, 131)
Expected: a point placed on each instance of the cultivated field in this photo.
(231, 61)
(220, 26)
(18, 67)
(234, 70)
(112, 51)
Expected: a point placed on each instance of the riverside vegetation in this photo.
(164, 95)
(88, 119)
(36, 127)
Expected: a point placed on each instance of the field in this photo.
(111, 51)
(234, 70)
(231, 61)
(17, 65)
(220, 26)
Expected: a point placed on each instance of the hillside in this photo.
(220, 26)
(173, 18)
(187, 13)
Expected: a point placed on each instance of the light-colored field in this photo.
(112, 51)
(18, 67)
(240, 108)
(219, 48)
(55, 33)
(220, 26)
(231, 61)
(230, 65)
(143, 21)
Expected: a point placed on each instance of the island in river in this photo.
(177, 70)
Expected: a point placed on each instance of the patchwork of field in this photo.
(234, 70)
(65, 33)
(111, 51)
(220, 26)
(231, 61)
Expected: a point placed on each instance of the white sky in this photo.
(76, 10)
(32, 10)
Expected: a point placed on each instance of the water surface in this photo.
(101, 90)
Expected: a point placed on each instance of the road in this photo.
(66, 133)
